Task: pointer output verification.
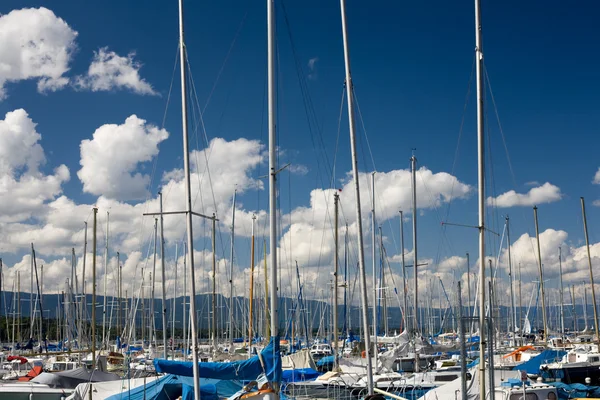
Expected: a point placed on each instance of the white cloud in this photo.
(596, 180)
(110, 160)
(393, 193)
(547, 193)
(23, 188)
(35, 44)
(109, 71)
(298, 169)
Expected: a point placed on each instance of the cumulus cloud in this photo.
(23, 188)
(35, 44)
(109, 71)
(547, 193)
(596, 180)
(110, 160)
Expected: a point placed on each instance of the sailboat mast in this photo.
(94, 289)
(83, 280)
(587, 245)
(272, 166)
(355, 175)
(105, 282)
(404, 288)
(188, 203)
(214, 285)
(153, 285)
(373, 251)
(31, 317)
(336, 199)
(174, 306)
(413, 169)
(231, 274)
(562, 297)
(481, 195)
(510, 278)
(541, 270)
(164, 279)
(384, 311)
(251, 300)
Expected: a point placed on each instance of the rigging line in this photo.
(460, 132)
(493, 214)
(209, 149)
(337, 139)
(311, 119)
(309, 108)
(155, 158)
(510, 166)
(231, 46)
(364, 129)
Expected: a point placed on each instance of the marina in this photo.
(226, 301)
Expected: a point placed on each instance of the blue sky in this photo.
(411, 66)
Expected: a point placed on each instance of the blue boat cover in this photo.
(575, 390)
(299, 375)
(533, 366)
(269, 363)
(328, 360)
(172, 386)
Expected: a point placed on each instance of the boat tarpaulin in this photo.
(268, 362)
(172, 386)
(575, 390)
(532, 366)
(326, 361)
(299, 375)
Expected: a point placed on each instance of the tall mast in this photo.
(184, 315)
(373, 252)
(94, 289)
(231, 274)
(382, 285)
(83, 290)
(481, 195)
(404, 287)
(413, 168)
(562, 298)
(272, 167)
(152, 288)
(336, 200)
(119, 293)
(105, 284)
(18, 306)
(31, 316)
(541, 271)
(510, 278)
(214, 286)
(587, 245)
(267, 324)
(355, 175)
(164, 278)
(174, 306)
(188, 203)
(469, 314)
(251, 301)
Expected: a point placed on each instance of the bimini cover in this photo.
(267, 362)
(533, 365)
